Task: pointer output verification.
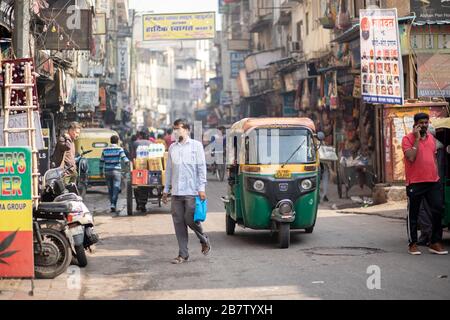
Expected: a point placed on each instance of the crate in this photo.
(155, 164)
(140, 164)
(139, 177)
(155, 178)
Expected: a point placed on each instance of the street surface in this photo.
(133, 261)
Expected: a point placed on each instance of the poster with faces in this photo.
(381, 59)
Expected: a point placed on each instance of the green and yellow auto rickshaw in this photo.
(274, 174)
(90, 144)
(442, 127)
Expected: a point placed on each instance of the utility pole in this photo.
(21, 35)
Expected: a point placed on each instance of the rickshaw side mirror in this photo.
(321, 136)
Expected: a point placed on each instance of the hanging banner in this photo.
(16, 213)
(431, 11)
(433, 75)
(381, 64)
(237, 62)
(197, 89)
(185, 26)
(86, 94)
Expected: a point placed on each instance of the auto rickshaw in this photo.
(442, 127)
(273, 176)
(95, 140)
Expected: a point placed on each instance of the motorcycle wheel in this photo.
(55, 256)
(81, 256)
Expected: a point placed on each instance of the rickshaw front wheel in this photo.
(309, 230)
(230, 225)
(284, 235)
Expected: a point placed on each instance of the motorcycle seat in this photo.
(55, 207)
(68, 197)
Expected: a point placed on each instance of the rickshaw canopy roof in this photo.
(441, 123)
(249, 123)
(97, 133)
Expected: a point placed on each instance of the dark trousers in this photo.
(425, 223)
(113, 181)
(417, 193)
(141, 196)
(183, 209)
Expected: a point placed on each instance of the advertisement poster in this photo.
(398, 122)
(186, 26)
(431, 11)
(381, 63)
(237, 63)
(21, 138)
(86, 94)
(433, 75)
(16, 213)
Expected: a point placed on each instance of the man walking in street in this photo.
(422, 180)
(186, 175)
(111, 167)
(64, 154)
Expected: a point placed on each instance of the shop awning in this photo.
(354, 32)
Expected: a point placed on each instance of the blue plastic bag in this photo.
(201, 208)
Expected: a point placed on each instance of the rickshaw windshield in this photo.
(276, 146)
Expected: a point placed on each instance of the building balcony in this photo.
(290, 4)
(183, 75)
(261, 60)
(261, 23)
(261, 82)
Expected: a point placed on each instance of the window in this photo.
(307, 23)
(299, 31)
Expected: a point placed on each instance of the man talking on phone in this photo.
(186, 175)
(422, 183)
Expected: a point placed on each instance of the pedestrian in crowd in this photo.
(425, 217)
(186, 177)
(111, 168)
(152, 138)
(168, 138)
(324, 181)
(64, 154)
(141, 194)
(160, 140)
(422, 180)
(131, 146)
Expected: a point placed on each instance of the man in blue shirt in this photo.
(111, 168)
(186, 175)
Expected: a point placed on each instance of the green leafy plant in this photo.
(4, 245)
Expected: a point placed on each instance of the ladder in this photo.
(27, 86)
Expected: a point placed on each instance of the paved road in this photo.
(133, 261)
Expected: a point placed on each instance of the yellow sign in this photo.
(283, 174)
(179, 26)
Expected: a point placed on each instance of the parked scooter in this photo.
(83, 173)
(66, 213)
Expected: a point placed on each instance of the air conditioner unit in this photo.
(296, 46)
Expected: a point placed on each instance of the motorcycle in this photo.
(83, 172)
(66, 214)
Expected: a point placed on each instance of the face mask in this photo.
(179, 135)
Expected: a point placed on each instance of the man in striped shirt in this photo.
(111, 168)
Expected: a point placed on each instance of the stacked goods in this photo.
(155, 164)
(149, 165)
(139, 177)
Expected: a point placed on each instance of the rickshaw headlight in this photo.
(258, 185)
(306, 185)
(155, 192)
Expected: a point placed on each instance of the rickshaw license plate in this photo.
(283, 174)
